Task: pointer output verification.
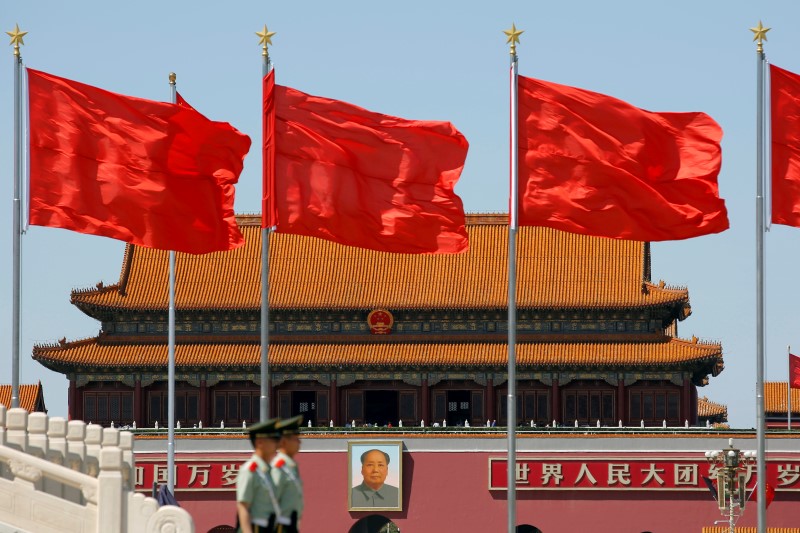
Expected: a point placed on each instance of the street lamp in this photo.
(731, 467)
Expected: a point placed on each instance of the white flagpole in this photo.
(16, 39)
(171, 349)
(760, 36)
(264, 404)
(789, 388)
(511, 407)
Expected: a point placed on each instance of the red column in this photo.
(203, 401)
(137, 403)
(622, 408)
(334, 402)
(78, 412)
(425, 414)
(686, 413)
(490, 414)
(555, 392)
(72, 399)
(272, 400)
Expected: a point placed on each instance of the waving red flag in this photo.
(336, 171)
(150, 173)
(769, 493)
(794, 371)
(785, 121)
(595, 165)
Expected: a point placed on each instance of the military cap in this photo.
(289, 426)
(264, 429)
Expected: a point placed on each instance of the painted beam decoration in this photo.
(627, 473)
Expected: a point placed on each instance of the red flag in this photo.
(595, 165)
(150, 173)
(336, 171)
(769, 493)
(785, 120)
(794, 371)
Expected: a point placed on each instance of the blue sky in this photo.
(443, 60)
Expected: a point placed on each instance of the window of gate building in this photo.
(654, 403)
(536, 407)
(187, 410)
(236, 406)
(502, 401)
(109, 404)
(532, 406)
(588, 403)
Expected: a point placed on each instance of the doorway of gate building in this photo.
(374, 524)
(305, 398)
(305, 403)
(381, 406)
(458, 407)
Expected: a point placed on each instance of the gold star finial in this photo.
(16, 38)
(513, 37)
(760, 35)
(265, 39)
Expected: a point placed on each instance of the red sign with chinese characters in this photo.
(196, 474)
(673, 473)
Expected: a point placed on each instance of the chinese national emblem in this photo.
(380, 322)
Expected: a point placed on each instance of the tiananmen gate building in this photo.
(612, 429)
(372, 337)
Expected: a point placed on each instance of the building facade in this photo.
(568, 480)
(364, 337)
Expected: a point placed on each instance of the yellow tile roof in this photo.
(707, 408)
(90, 353)
(776, 400)
(555, 270)
(27, 396)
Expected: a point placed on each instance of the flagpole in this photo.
(16, 40)
(760, 36)
(171, 350)
(789, 388)
(511, 408)
(265, 39)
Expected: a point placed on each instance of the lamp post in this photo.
(731, 465)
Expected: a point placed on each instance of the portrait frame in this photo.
(358, 494)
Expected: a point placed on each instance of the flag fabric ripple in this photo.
(595, 165)
(339, 172)
(154, 174)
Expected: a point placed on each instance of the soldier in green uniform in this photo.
(259, 487)
(291, 500)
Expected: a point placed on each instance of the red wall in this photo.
(448, 491)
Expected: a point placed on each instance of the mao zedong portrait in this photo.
(373, 491)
